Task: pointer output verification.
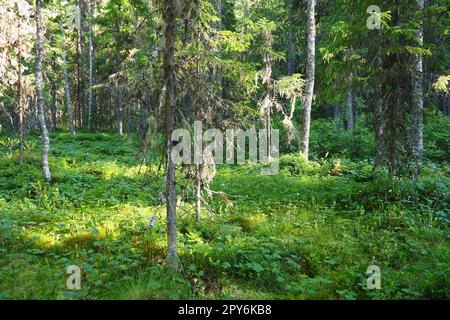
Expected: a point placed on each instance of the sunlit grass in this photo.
(289, 236)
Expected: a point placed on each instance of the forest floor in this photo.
(308, 232)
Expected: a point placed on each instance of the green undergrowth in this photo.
(308, 232)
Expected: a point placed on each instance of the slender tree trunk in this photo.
(417, 110)
(350, 119)
(82, 61)
(198, 190)
(39, 94)
(91, 65)
(20, 94)
(78, 63)
(267, 84)
(34, 116)
(310, 73)
(67, 83)
(198, 166)
(220, 81)
(53, 108)
(170, 80)
(129, 122)
(378, 110)
(377, 122)
(119, 110)
(290, 48)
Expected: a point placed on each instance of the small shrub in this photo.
(298, 165)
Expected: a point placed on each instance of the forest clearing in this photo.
(221, 149)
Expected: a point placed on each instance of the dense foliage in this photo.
(91, 92)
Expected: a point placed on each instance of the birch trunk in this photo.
(39, 94)
(310, 72)
(66, 83)
(417, 111)
(169, 77)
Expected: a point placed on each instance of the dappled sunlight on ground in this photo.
(301, 236)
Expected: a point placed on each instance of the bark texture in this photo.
(310, 73)
(418, 104)
(39, 93)
(170, 81)
(91, 66)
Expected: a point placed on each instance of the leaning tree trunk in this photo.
(66, 83)
(170, 81)
(39, 94)
(310, 72)
(417, 110)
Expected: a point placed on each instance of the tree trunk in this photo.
(39, 94)
(290, 48)
(266, 102)
(77, 111)
(33, 126)
(82, 62)
(66, 83)
(91, 65)
(54, 112)
(119, 110)
(417, 110)
(129, 122)
(169, 77)
(20, 94)
(377, 107)
(220, 81)
(377, 123)
(310, 72)
(198, 190)
(350, 119)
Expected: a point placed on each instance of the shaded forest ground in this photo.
(308, 232)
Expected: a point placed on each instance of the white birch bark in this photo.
(310, 73)
(39, 93)
(417, 111)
